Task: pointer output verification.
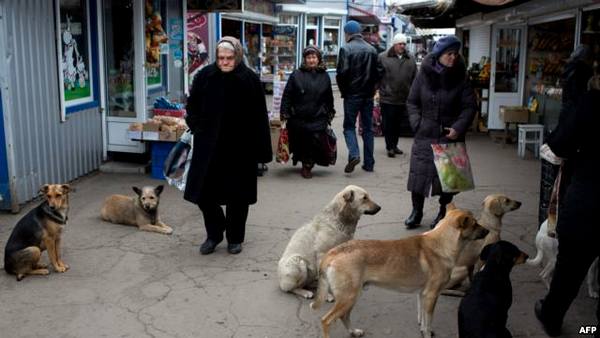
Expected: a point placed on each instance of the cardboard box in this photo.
(167, 135)
(150, 135)
(150, 127)
(275, 131)
(134, 135)
(514, 114)
(179, 133)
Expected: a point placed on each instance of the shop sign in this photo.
(216, 5)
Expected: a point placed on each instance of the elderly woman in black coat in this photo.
(227, 114)
(441, 105)
(307, 106)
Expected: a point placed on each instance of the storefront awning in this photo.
(362, 15)
(290, 8)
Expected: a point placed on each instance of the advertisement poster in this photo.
(197, 43)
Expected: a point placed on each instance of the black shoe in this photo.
(391, 153)
(437, 219)
(208, 246)
(234, 249)
(351, 164)
(414, 220)
(367, 169)
(552, 330)
(397, 151)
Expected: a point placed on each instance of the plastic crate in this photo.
(169, 112)
(160, 151)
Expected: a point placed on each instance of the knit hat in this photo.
(449, 42)
(352, 27)
(399, 38)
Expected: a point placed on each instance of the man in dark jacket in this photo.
(356, 78)
(397, 70)
(227, 114)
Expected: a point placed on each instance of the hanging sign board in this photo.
(216, 5)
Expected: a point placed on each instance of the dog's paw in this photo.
(330, 298)
(60, 268)
(41, 266)
(168, 230)
(308, 294)
(357, 332)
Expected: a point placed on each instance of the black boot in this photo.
(441, 214)
(414, 220)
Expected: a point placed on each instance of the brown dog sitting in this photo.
(39, 230)
(141, 210)
(421, 264)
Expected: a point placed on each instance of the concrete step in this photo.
(124, 167)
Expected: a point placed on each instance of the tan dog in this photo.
(335, 224)
(141, 210)
(39, 230)
(420, 263)
(495, 206)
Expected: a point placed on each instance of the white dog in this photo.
(547, 249)
(335, 224)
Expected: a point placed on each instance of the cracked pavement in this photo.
(129, 283)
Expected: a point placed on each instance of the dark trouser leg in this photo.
(445, 198)
(418, 201)
(414, 220)
(235, 223)
(214, 220)
(389, 114)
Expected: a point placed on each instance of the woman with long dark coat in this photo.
(227, 114)
(441, 106)
(307, 106)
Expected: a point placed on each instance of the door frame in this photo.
(494, 121)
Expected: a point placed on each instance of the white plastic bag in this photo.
(178, 161)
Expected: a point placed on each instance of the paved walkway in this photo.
(128, 283)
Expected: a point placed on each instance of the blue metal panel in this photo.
(4, 190)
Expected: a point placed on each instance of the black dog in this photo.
(484, 310)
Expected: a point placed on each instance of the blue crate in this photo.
(157, 172)
(160, 151)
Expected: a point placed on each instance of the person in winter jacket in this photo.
(397, 70)
(307, 106)
(356, 78)
(441, 106)
(227, 114)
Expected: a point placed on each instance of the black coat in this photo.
(357, 72)
(307, 101)
(228, 117)
(436, 101)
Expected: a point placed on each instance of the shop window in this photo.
(252, 45)
(331, 38)
(74, 46)
(312, 20)
(288, 19)
(507, 60)
(268, 59)
(283, 48)
(231, 28)
(155, 44)
(312, 29)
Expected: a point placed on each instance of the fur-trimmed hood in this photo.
(448, 78)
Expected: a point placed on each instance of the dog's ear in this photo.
(158, 190)
(465, 220)
(485, 253)
(349, 196)
(450, 206)
(66, 188)
(495, 207)
(44, 189)
(137, 190)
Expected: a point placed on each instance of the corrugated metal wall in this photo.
(480, 39)
(45, 150)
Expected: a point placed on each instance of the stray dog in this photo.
(420, 263)
(141, 210)
(39, 230)
(335, 224)
(494, 208)
(547, 249)
(484, 310)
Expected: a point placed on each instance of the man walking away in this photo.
(356, 78)
(397, 70)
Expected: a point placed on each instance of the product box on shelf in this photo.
(514, 114)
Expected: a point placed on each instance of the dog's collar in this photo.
(55, 216)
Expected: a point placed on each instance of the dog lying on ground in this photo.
(335, 224)
(547, 249)
(141, 210)
(494, 208)
(420, 263)
(40, 229)
(484, 310)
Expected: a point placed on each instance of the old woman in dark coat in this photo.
(441, 106)
(227, 114)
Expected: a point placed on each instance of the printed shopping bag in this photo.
(453, 167)
(283, 147)
(329, 144)
(178, 162)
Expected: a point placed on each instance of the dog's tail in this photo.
(323, 288)
(537, 260)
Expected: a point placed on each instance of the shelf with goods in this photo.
(331, 40)
(282, 48)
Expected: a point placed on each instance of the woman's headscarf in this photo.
(233, 44)
(312, 50)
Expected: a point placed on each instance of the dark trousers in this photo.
(233, 223)
(418, 200)
(392, 116)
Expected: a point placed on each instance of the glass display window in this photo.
(507, 60)
(267, 55)
(252, 45)
(156, 40)
(312, 31)
(331, 41)
(231, 28)
(283, 48)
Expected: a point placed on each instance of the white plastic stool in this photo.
(537, 140)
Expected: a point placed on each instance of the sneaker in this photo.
(234, 248)
(398, 151)
(351, 164)
(391, 153)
